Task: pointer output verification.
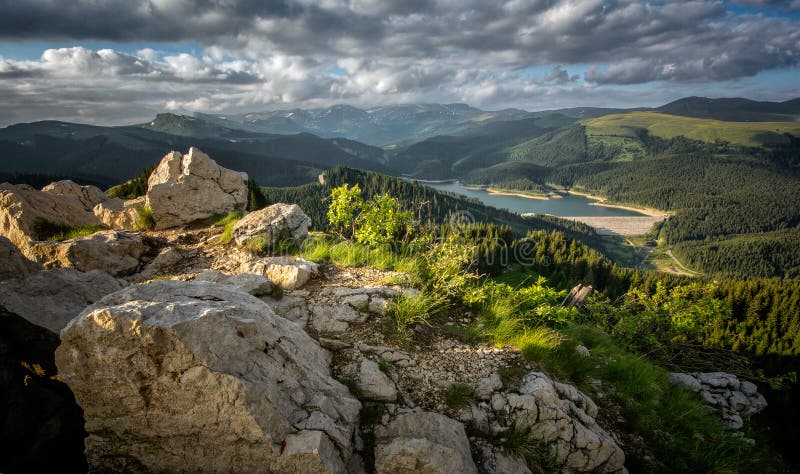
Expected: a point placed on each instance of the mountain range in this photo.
(729, 169)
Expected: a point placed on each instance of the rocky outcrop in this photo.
(118, 214)
(331, 310)
(733, 400)
(288, 272)
(12, 263)
(561, 418)
(22, 208)
(51, 298)
(274, 224)
(421, 441)
(89, 196)
(117, 253)
(41, 426)
(250, 283)
(187, 188)
(198, 377)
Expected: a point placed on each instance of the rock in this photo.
(51, 298)
(423, 442)
(163, 264)
(41, 426)
(115, 252)
(733, 401)
(22, 207)
(685, 380)
(499, 402)
(309, 451)
(89, 196)
(717, 379)
(582, 351)
(374, 384)
(488, 385)
(495, 461)
(253, 284)
(275, 223)
(288, 272)
(562, 418)
(186, 188)
(748, 388)
(12, 263)
(197, 377)
(118, 214)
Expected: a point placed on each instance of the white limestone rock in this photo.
(12, 263)
(420, 441)
(22, 206)
(251, 283)
(51, 298)
(374, 384)
(115, 252)
(89, 196)
(197, 377)
(115, 213)
(275, 223)
(187, 188)
(288, 272)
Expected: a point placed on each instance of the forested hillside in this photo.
(734, 188)
(429, 206)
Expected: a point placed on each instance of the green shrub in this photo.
(47, 230)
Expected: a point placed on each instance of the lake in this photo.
(568, 205)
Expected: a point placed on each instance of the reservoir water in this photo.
(567, 205)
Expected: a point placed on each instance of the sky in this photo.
(123, 61)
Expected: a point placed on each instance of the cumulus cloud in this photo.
(260, 54)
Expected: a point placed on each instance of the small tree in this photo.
(255, 198)
(345, 203)
(381, 220)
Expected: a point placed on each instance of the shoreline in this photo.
(601, 201)
(500, 192)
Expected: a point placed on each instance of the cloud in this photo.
(254, 54)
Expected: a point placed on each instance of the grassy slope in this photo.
(670, 126)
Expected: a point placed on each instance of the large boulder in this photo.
(118, 214)
(89, 196)
(12, 263)
(199, 377)
(423, 442)
(51, 298)
(117, 253)
(41, 426)
(22, 208)
(274, 224)
(187, 188)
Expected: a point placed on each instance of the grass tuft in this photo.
(409, 309)
(47, 230)
(145, 219)
(458, 395)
